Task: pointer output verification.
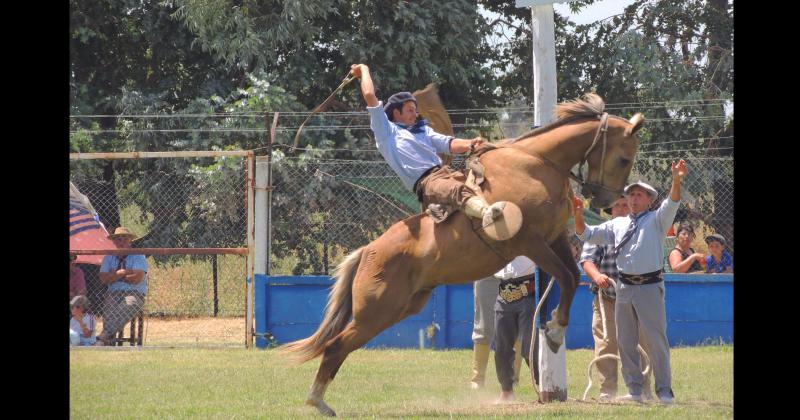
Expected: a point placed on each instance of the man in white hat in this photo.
(638, 241)
(126, 278)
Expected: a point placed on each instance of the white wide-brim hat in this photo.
(650, 190)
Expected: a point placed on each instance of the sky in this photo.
(600, 10)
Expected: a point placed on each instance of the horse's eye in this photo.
(624, 162)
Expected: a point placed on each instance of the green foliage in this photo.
(249, 58)
(310, 44)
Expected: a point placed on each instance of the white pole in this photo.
(552, 366)
(544, 64)
(261, 214)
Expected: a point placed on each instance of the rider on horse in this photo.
(410, 148)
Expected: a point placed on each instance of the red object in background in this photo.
(671, 231)
(85, 230)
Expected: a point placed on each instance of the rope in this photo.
(347, 79)
(535, 333)
(645, 358)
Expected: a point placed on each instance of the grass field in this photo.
(243, 384)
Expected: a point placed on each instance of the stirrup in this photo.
(501, 220)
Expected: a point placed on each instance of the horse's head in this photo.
(610, 158)
(610, 155)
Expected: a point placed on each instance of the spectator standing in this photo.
(640, 307)
(77, 281)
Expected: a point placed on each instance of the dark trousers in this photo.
(511, 319)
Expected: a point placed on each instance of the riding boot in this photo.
(517, 360)
(480, 358)
(478, 207)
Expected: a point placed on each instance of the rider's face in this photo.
(407, 114)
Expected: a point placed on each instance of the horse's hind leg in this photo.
(336, 350)
(368, 321)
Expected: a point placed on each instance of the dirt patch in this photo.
(195, 331)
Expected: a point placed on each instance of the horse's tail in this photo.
(337, 312)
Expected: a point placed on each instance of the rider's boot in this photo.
(478, 207)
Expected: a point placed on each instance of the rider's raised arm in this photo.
(367, 88)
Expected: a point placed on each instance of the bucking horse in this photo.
(393, 276)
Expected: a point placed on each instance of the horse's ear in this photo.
(637, 121)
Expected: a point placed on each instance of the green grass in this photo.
(239, 383)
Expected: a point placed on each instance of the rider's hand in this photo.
(357, 69)
(475, 143)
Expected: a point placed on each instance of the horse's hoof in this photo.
(554, 337)
(322, 408)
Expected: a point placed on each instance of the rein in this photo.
(589, 188)
(347, 79)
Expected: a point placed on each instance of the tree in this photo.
(673, 61)
(309, 45)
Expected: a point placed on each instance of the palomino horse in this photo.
(392, 277)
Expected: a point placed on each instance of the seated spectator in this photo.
(77, 282)
(683, 258)
(126, 278)
(81, 326)
(719, 260)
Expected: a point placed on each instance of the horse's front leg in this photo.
(556, 259)
(569, 284)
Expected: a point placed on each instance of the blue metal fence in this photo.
(699, 309)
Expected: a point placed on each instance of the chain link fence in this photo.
(175, 203)
(323, 210)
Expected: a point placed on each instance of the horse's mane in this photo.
(590, 105)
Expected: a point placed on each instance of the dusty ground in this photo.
(191, 331)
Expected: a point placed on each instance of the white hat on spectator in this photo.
(650, 190)
(80, 300)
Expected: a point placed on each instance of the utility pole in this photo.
(552, 366)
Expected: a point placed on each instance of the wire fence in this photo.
(348, 204)
(335, 196)
(175, 203)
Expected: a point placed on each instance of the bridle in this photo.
(590, 189)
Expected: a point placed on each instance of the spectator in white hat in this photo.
(638, 241)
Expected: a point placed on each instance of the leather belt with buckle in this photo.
(512, 290)
(640, 279)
